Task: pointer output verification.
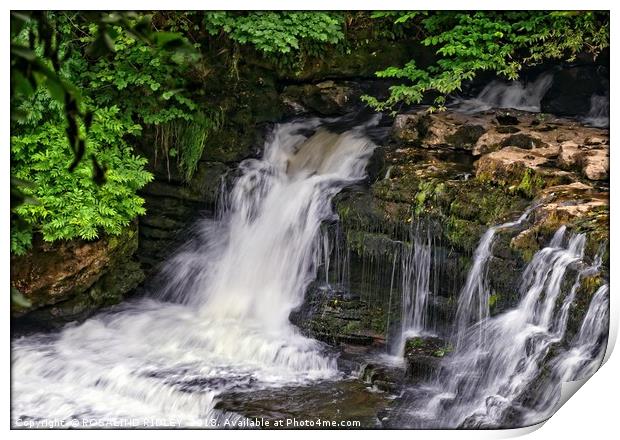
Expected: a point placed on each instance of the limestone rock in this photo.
(570, 155)
(522, 140)
(443, 130)
(596, 164)
(594, 140)
(410, 128)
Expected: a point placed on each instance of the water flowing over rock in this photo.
(598, 115)
(473, 302)
(486, 382)
(394, 287)
(416, 288)
(220, 322)
(515, 95)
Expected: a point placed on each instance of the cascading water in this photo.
(515, 95)
(598, 115)
(221, 322)
(415, 286)
(581, 360)
(473, 302)
(485, 383)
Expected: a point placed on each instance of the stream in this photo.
(213, 345)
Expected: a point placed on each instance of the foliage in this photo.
(186, 140)
(67, 204)
(41, 44)
(192, 138)
(501, 42)
(146, 81)
(278, 35)
(131, 77)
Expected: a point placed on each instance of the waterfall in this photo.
(515, 94)
(581, 360)
(473, 299)
(487, 380)
(415, 286)
(598, 115)
(220, 320)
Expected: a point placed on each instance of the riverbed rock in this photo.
(66, 280)
(444, 130)
(570, 155)
(522, 140)
(596, 164)
(383, 377)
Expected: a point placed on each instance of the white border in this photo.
(591, 413)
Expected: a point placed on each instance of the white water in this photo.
(221, 321)
(484, 381)
(583, 357)
(598, 115)
(415, 287)
(515, 94)
(473, 300)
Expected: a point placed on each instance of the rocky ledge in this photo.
(456, 175)
(68, 280)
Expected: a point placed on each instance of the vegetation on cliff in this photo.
(87, 87)
(501, 42)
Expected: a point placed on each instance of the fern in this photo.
(68, 204)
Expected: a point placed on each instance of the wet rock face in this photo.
(520, 160)
(337, 317)
(572, 89)
(333, 401)
(423, 356)
(172, 206)
(326, 98)
(70, 279)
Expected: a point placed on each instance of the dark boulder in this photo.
(573, 88)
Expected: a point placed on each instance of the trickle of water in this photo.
(221, 321)
(415, 286)
(516, 95)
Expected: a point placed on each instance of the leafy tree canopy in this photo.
(468, 43)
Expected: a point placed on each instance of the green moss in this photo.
(463, 234)
(530, 183)
(525, 245)
(443, 351)
(493, 300)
